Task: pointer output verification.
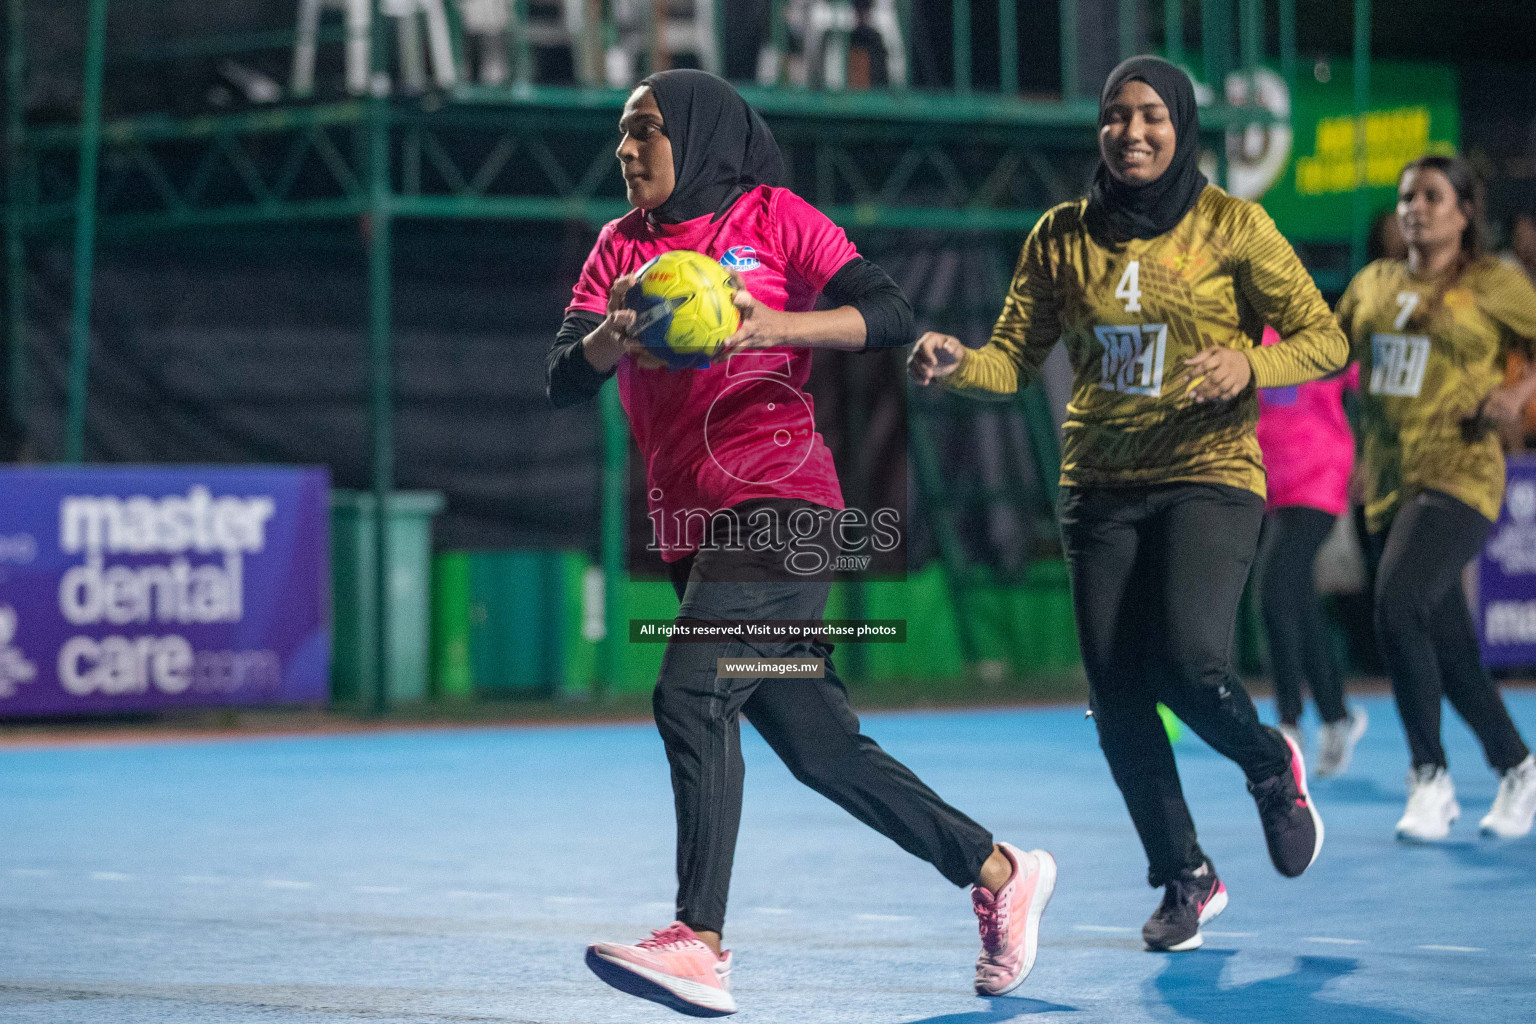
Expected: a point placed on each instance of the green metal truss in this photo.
(961, 161)
(869, 160)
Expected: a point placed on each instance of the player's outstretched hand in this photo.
(761, 326)
(1217, 374)
(935, 355)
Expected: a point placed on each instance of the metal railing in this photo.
(1221, 24)
(1230, 36)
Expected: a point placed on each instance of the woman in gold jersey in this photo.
(1160, 285)
(1431, 333)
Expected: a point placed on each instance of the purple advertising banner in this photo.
(1506, 573)
(135, 588)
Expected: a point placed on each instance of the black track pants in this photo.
(1425, 629)
(807, 722)
(1157, 574)
(1299, 648)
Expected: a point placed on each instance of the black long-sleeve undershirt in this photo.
(888, 323)
(869, 289)
(569, 378)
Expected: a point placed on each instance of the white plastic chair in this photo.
(572, 23)
(687, 26)
(827, 29)
(487, 23)
(359, 45)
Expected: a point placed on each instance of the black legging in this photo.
(1157, 574)
(1299, 648)
(807, 722)
(1426, 633)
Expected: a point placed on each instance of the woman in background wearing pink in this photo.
(1308, 453)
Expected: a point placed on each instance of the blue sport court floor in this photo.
(447, 876)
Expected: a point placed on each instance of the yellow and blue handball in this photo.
(684, 310)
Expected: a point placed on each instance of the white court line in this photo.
(1332, 941)
(655, 905)
(570, 899)
(379, 890)
(1453, 949)
(1228, 935)
(1101, 928)
(32, 872)
(285, 883)
(470, 894)
(109, 876)
(781, 910)
(882, 917)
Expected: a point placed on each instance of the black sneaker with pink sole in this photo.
(1292, 827)
(1190, 899)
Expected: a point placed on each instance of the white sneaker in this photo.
(1336, 746)
(1515, 806)
(1432, 806)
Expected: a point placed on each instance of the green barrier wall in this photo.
(499, 622)
(353, 593)
(517, 623)
(453, 676)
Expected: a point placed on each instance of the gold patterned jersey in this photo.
(1429, 352)
(1130, 316)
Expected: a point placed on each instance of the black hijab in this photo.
(1118, 212)
(721, 148)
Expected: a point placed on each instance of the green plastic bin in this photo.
(516, 604)
(410, 588)
(453, 676)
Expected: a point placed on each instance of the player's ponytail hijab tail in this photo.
(721, 147)
(1118, 211)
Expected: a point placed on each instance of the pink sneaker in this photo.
(1010, 921)
(672, 967)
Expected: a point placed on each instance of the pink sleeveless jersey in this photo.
(742, 428)
(1307, 445)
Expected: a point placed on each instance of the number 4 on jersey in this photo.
(1129, 287)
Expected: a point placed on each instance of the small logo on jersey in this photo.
(1459, 299)
(1184, 260)
(740, 258)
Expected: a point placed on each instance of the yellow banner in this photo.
(1392, 138)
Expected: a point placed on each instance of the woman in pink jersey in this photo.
(729, 450)
(1308, 455)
